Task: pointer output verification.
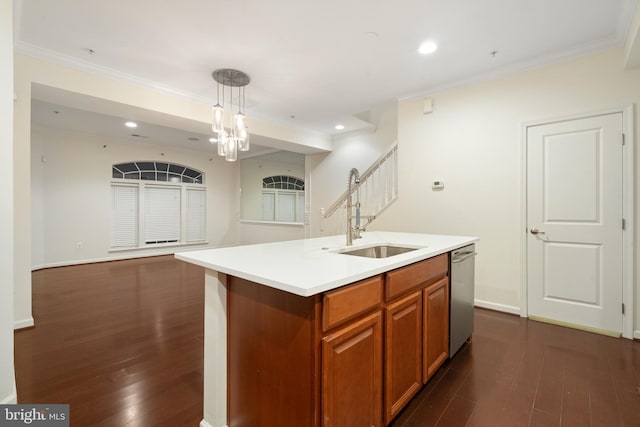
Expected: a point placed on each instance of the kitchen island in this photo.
(299, 333)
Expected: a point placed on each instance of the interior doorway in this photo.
(577, 223)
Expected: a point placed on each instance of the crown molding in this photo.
(48, 55)
(519, 67)
(625, 19)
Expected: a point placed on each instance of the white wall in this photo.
(71, 194)
(472, 141)
(250, 232)
(38, 212)
(7, 376)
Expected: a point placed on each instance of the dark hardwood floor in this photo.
(518, 372)
(122, 343)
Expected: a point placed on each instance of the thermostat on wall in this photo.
(437, 185)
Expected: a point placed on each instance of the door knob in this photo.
(536, 231)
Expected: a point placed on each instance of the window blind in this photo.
(286, 206)
(195, 215)
(268, 206)
(161, 214)
(283, 205)
(124, 216)
(300, 207)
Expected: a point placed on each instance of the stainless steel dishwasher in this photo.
(462, 297)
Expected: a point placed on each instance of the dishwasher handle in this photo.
(463, 256)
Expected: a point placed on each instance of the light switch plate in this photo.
(437, 185)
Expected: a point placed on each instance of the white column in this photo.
(22, 307)
(215, 349)
(7, 376)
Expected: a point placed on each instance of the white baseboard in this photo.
(24, 323)
(203, 423)
(118, 255)
(11, 399)
(95, 260)
(636, 335)
(497, 307)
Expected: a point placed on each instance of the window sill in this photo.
(159, 246)
(287, 224)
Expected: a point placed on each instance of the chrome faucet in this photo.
(353, 232)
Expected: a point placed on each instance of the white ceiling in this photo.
(113, 128)
(319, 61)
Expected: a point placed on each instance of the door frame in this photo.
(628, 203)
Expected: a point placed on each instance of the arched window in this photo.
(163, 204)
(283, 199)
(157, 171)
(283, 182)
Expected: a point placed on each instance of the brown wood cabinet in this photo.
(416, 322)
(351, 301)
(436, 323)
(352, 374)
(403, 353)
(352, 357)
(271, 356)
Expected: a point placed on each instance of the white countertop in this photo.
(310, 266)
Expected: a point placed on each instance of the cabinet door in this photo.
(352, 375)
(403, 353)
(436, 326)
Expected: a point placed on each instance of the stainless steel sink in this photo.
(381, 251)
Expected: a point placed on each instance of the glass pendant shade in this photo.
(222, 143)
(231, 154)
(243, 143)
(239, 126)
(217, 124)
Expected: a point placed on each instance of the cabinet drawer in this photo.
(346, 303)
(421, 273)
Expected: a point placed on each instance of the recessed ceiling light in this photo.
(213, 140)
(339, 127)
(427, 47)
(131, 124)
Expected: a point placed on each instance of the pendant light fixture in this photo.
(237, 137)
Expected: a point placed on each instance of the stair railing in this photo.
(378, 189)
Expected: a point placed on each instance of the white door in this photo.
(574, 217)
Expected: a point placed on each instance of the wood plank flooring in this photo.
(122, 343)
(518, 372)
